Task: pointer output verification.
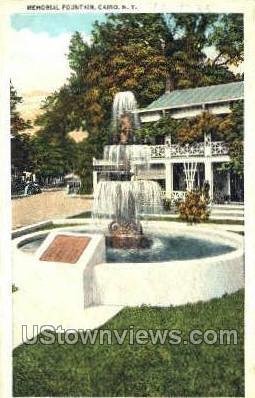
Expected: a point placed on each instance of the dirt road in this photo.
(45, 206)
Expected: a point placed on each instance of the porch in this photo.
(225, 187)
(154, 153)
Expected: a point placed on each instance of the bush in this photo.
(193, 208)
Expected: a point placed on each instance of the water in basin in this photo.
(164, 248)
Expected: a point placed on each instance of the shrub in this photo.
(193, 208)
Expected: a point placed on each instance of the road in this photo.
(45, 206)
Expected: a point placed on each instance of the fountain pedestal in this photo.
(127, 235)
(128, 241)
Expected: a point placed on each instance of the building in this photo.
(180, 167)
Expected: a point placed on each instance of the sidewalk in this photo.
(34, 312)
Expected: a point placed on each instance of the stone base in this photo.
(128, 241)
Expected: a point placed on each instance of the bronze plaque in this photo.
(65, 249)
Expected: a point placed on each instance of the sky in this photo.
(39, 48)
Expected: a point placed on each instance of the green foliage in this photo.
(77, 53)
(54, 152)
(20, 143)
(153, 370)
(189, 37)
(231, 130)
(194, 208)
(18, 124)
(163, 127)
(227, 37)
(139, 52)
(52, 157)
(88, 149)
(193, 129)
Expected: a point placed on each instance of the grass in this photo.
(141, 370)
(84, 214)
(209, 221)
(87, 214)
(54, 226)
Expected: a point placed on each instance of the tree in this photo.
(227, 37)
(20, 141)
(86, 151)
(165, 126)
(193, 129)
(188, 39)
(231, 130)
(144, 53)
(54, 152)
(52, 159)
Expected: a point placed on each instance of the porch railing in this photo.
(178, 150)
(178, 195)
(219, 148)
(158, 151)
(214, 148)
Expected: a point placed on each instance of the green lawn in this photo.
(141, 370)
(87, 214)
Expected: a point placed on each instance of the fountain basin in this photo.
(160, 283)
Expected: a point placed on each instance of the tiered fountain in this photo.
(123, 202)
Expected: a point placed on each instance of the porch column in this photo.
(228, 184)
(208, 161)
(209, 175)
(168, 141)
(208, 144)
(169, 179)
(94, 180)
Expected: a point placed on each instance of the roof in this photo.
(197, 96)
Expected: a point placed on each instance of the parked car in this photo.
(32, 188)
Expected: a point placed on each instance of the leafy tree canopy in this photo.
(148, 53)
(232, 131)
(20, 142)
(165, 126)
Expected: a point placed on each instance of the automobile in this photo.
(32, 188)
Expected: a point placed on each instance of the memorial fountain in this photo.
(123, 202)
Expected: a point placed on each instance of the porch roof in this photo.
(197, 96)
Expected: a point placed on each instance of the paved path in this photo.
(45, 206)
(34, 311)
